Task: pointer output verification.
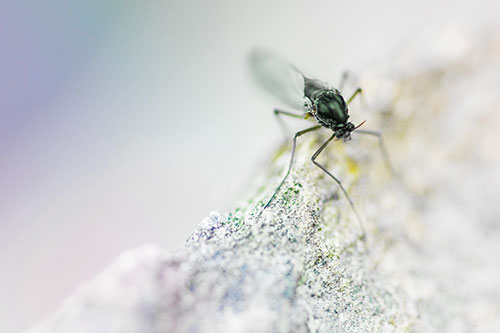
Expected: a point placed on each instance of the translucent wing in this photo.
(278, 77)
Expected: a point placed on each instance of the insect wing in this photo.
(278, 77)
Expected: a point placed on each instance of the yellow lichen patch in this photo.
(282, 150)
(352, 167)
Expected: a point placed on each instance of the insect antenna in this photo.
(359, 125)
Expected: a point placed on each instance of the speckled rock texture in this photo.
(430, 261)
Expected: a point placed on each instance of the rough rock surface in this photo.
(430, 260)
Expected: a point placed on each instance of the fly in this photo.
(316, 99)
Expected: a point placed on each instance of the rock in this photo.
(430, 259)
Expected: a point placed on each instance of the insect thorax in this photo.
(309, 108)
(328, 107)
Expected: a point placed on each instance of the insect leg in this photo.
(291, 159)
(385, 155)
(313, 159)
(343, 79)
(358, 91)
(291, 114)
(284, 128)
(383, 148)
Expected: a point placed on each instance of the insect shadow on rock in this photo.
(317, 100)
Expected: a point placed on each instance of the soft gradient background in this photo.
(126, 122)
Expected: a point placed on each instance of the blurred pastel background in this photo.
(126, 122)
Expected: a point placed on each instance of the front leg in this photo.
(313, 159)
(383, 149)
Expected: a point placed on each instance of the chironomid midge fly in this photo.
(316, 99)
